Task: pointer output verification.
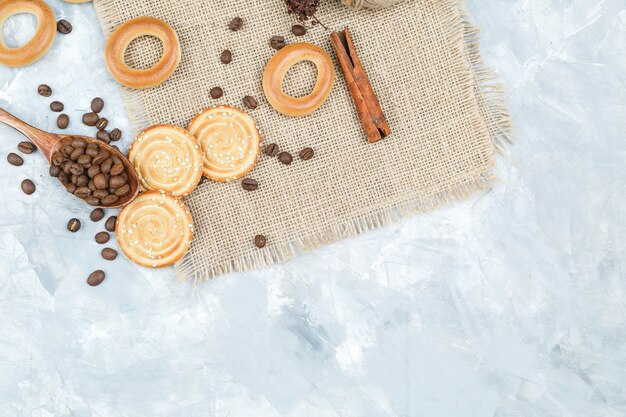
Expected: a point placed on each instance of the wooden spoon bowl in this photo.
(48, 143)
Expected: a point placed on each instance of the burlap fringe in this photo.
(492, 99)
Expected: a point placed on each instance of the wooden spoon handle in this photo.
(45, 141)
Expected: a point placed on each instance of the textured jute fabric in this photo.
(447, 116)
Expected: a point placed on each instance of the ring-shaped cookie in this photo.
(167, 158)
(154, 230)
(277, 68)
(41, 41)
(122, 37)
(230, 142)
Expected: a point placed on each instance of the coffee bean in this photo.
(15, 159)
(56, 106)
(55, 170)
(90, 119)
(277, 42)
(249, 184)
(103, 136)
(226, 57)
(123, 190)
(63, 121)
(84, 160)
(73, 225)
(109, 254)
(82, 192)
(106, 165)
(92, 201)
(93, 171)
(109, 200)
(76, 168)
(117, 181)
(260, 241)
(306, 154)
(63, 178)
(285, 158)
(76, 153)
(79, 142)
(216, 92)
(100, 181)
(298, 30)
(115, 134)
(100, 158)
(235, 24)
(92, 149)
(97, 215)
(71, 188)
(28, 187)
(44, 90)
(26, 147)
(64, 27)
(110, 223)
(97, 104)
(271, 149)
(82, 180)
(102, 123)
(66, 150)
(117, 169)
(95, 278)
(250, 102)
(102, 238)
(100, 194)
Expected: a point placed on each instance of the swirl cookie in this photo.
(154, 230)
(41, 41)
(230, 142)
(168, 159)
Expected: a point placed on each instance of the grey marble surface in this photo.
(509, 304)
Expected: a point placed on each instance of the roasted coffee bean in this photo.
(15, 159)
(116, 159)
(106, 165)
(76, 153)
(102, 238)
(216, 92)
(100, 194)
(306, 154)
(95, 278)
(104, 136)
(66, 168)
(271, 149)
(110, 199)
(57, 158)
(249, 184)
(92, 201)
(55, 170)
(82, 192)
(74, 178)
(97, 215)
(66, 150)
(226, 57)
(110, 223)
(277, 42)
(56, 106)
(63, 178)
(235, 24)
(109, 254)
(84, 159)
(93, 171)
(115, 134)
(63, 121)
(260, 241)
(102, 155)
(91, 186)
(92, 149)
(28, 187)
(44, 90)
(298, 30)
(117, 181)
(285, 158)
(123, 190)
(82, 180)
(70, 188)
(97, 104)
(79, 142)
(250, 102)
(100, 181)
(73, 225)
(26, 147)
(117, 169)
(102, 123)
(90, 119)
(64, 27)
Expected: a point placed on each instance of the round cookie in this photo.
(154, 230)
(168, 159)
(230, 142)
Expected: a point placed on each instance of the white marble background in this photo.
(510, 304)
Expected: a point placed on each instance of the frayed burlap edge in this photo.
(492, 103)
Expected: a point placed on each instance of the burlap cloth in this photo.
(447, 117)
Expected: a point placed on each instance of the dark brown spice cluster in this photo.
(304, 9)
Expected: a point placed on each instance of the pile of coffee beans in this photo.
(90, 172)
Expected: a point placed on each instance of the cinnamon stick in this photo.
(367, 106)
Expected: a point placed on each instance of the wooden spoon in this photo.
(48, 143)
